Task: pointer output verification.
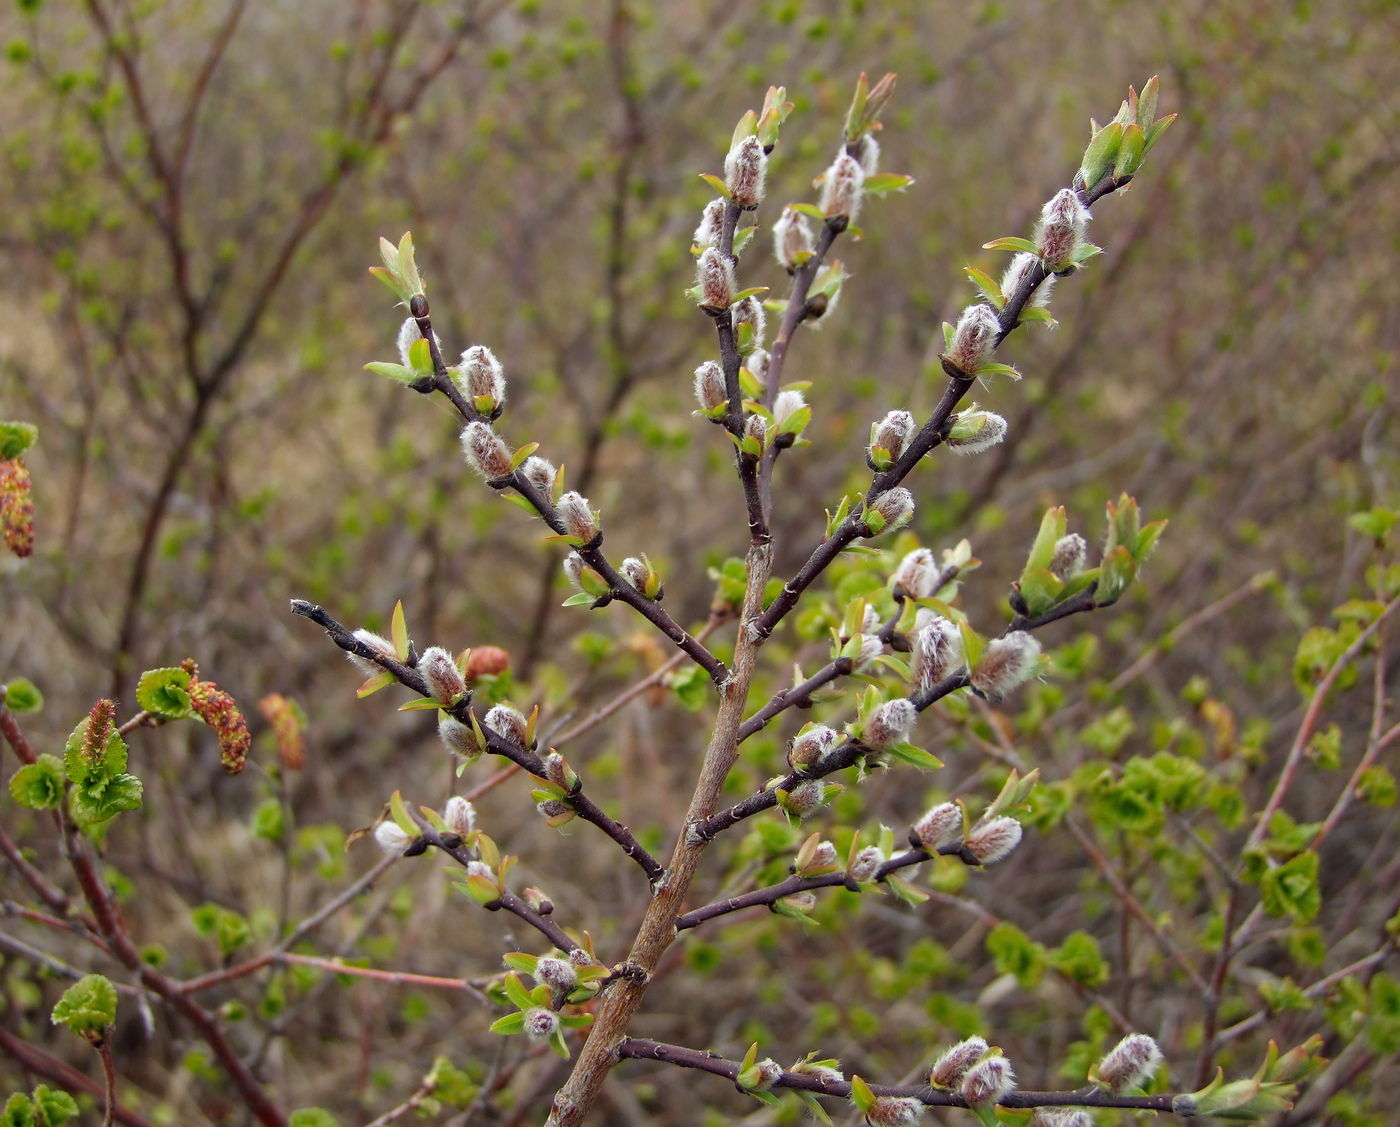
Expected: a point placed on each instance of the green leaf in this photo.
(375, 683)
(742, 238)
(269, 821)
(1375, 524)
(22, 695)
(393, 371)
(19, 1112)
(313, 1117)
(579, 598)
(996, 368)
(1014, 952)
(861, 1095)
(1130, 151)
(88, 1006)
(1011, 243)
(916, 757)
(1100, 155)
(905, 891)
(716, 183)
(883, 182)
(1292, 889)
(519, 502)
(16, 438)
(811, 210)
(516, 992)
(692, 687)
(166, 693)
(1031, 315)
(55, 1106)
(1078, 958)
(39, 785)
(1154, 131)
(110, 763)
(399, 632)
(1041, 589)
(402, 818)
(1115, 576)
(392, 282)
(1052, 528)
(420, 356)
(984, 282)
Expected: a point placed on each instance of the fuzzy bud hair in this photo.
(916, 574)
(941, 826)
(975, 431)
(709, 386)
(507, 723)
(573, 568)
(993, 838)
(379, 645)
(893, 432)
(806, 798)
(541, 1023)
(1070, 555)
(786, 405)
(1006, 664)
(459, 738)
(1061, 1117)
(579, 519)
(890, 724)
(635, 572)
(750, 312)
(486, 451)
(868, 153)
(895, 507)
(808, 749)
(792, 237)
(974, 339)
(1060, 230)
(1016, 273)
(953, 1065)
(480, 375)
(757, 362)
(867, 862)
(539, 472)
(988, 1082)
(558, 973)
(714, 274)
(756, 426)
(460, 815)
(445, 681)
(894, 1111)
(744, 170)
(409, 333)
(391, 839)
(711, 220)
(938, 651)
(841, 188)
(1131, 1063)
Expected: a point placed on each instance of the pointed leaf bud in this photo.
(891, 434)
(916, 575)
(376, 643)
(974, 339)
(867, 861)
(792, 239)
(714, 275)
(1060, 230)
(1016, 274)
(507, 723)
(894, 1111)
(392, 840)
(460, 815)
(953, 1065)
(709, 386)
(486, 451)
(540, 1023)
(888, 511)
(938, 651)
(868, 154)
(744, 170)
(540, 903)
(711, 222)
(941, 826)
(1069, 557)
(787, 404)
(445, 681)
(556, 972)
(539, 472)
(988, 1082)
(1006, 663)
(459, 738)
(993, 838)
(481, 378)
(975, 431)
(579, 519)
(810, 747)
(890, 724)
(841, 187)
(750, 312)
(1131, 1063)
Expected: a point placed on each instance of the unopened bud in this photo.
(391, 838)
(744, 170)
(445, 681)
(888, 511)
(1006, 664)
(558, 973)
(1060, 230)
(580, 958)
(756, 427)
(555, 811)
(894, 1111)
(988, 1082)
(379, 645)
(992, 839)
(841, 187)
(890, 724)
(916, 575)
(709, 386)
(486, 451)
(459, 738)
(938, 651)
(579, 519)
(757, 362)
(537, 901)
(408, 334)
(809, 748)
(480, 869)
(558, 771)
(711, 222)
(824, 857)
(541, 1023)
(574, 568)
(539, 472)
(941, 826)
(975, 431)
(714, 274)
(1061, 1117)
(507, 723)
(1131, 1063)
(867, 863)
(799, 902)
(481, 379)
(766, 1072)
(974, 339)
(1071, 553)
(786, 405)
(1016, 275)
(821, 1071)
(891, 434)
(805, 798)
(953, 1065)
(460, 815)
(750, 312)
(870, 648)
(868, 153)
(635, 572)
(792, 237)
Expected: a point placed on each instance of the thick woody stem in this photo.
(658, 930)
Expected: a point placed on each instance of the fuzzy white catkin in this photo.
(954, 1064)
(391, 839)
(445, 681)
(974, 338)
